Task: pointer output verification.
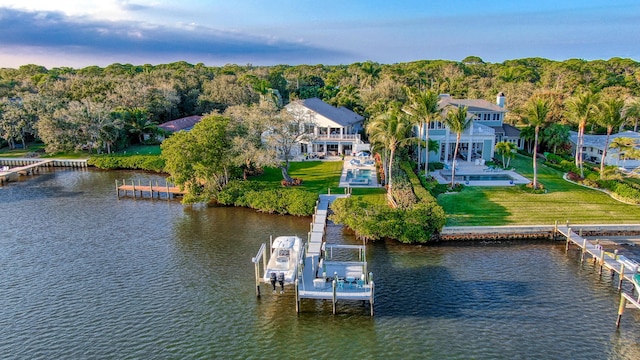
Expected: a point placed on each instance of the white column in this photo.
(470, 149)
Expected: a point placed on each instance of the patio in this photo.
(358, 172)
(477, 174)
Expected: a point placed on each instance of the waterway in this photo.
(84, 275)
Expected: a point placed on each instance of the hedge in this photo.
(415, 224)
(121, 161)
(286, 200)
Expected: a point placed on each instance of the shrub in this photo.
(417, 223)
(621, 190)
(553, 158)
(132, 162)
(574, 177)
(274, 201)
(436, 166)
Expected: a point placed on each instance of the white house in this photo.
(478, 141)
(333, 130)
(593, 148)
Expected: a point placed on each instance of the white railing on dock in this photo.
(625, 268)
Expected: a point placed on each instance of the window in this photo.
(599, 152)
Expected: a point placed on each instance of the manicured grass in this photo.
(141, 150)
(318, 177)
(511, 205)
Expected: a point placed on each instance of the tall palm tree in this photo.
(457, 120)
(581, 108)
(423, 109)
(536, 114)
(610, 117)
(392, 130)
(505, 149)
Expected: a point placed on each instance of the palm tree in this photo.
(536, 113)
(633, 112)
(423, 109)
(392, 130)
(556, 135)
(457, 120)
(580, 108)
(505, 149)
(528, 135)
(626, 148)
(610, 117)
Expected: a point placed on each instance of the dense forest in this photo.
(101, 109)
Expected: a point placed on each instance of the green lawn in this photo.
(318, 177)
(512, 206)
(141, 149)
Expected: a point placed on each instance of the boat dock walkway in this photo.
(626, 269)
(327, 271)
(12, 168)
(323, 278)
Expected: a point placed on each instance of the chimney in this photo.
(500, 99)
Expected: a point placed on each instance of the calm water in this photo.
(84, 275)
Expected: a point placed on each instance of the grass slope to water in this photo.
(476, 206)
(319, 177)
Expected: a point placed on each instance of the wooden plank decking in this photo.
(313, 283)
(625, 268)
(151, 190)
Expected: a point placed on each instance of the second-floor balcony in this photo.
(337, 137)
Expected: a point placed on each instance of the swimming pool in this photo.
(359, 176)
(481, 177)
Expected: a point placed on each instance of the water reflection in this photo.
(85, 273)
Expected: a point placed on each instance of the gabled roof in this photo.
(185, 123)
(598, 141)
(341, 116)
(473, 105)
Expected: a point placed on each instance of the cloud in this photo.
(128, 6)
(54, 31)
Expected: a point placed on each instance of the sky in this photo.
(80, 33)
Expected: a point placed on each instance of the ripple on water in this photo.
(84, 275)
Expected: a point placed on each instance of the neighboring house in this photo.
(479, 140)
(182, 124)
(185, 123)
(332, 130)
(593, 148)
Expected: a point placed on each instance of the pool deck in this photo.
(464, 168)
(349, 164)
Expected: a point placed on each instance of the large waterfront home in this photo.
(331, 130)
(593, 148)
(478, 141)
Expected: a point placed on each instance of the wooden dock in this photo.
(319, 276)
(625, 268)
(12, 168)
(323, 278)
(151, 191)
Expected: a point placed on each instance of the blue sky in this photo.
(80, 33)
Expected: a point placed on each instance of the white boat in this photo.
(285, 256)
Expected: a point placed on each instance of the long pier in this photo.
(626, 269)
(12, 168)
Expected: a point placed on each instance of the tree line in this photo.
(105, 108)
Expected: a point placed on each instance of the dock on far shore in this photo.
(625, 268)
(151, 190)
